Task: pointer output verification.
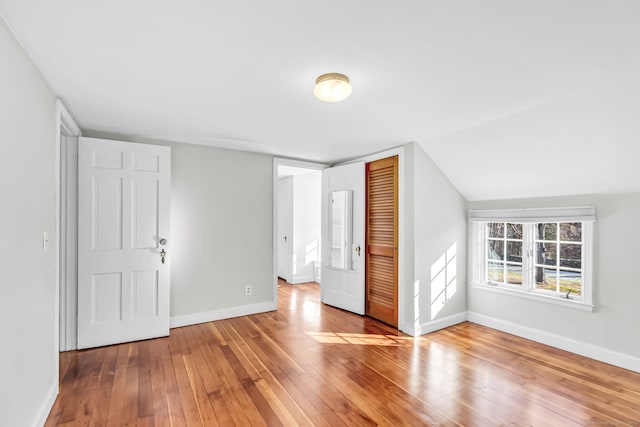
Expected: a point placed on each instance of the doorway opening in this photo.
(297, 222)
(67, 226)
(349, 292)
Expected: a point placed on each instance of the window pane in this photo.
(571, 256)
(571, 231)
(571, 281)
(549, 253)
(546, 231)
(496, 229)
(546, 278)
(514, 251)
(496, 249)
(495, 272)
(514, 231)
(514, 274)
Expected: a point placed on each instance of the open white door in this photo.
(123, 233)
(284, 228)
(343, 223)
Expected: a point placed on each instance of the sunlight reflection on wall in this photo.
(443, 280)
(310, 255)
(311, 252)
(294, 267)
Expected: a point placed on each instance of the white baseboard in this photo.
(225, 313)
(287, 279)
(588, 350)
(46, 405)
(442, 323)
(432, 326)
(408, 329)
(302, 279)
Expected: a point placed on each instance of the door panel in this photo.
(285, 227)
(344, 287)
(382, 240)
(123, 213)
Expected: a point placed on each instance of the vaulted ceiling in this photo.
(510, 98)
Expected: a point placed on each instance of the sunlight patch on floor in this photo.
(364, 339)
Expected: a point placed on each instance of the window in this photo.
(558, 257)
(541, 254)
(504, 253)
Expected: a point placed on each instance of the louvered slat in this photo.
(382, 238)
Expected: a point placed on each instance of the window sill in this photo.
(577, 305)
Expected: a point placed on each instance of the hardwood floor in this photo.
(311, 364)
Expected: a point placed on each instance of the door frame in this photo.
(403, 244)
(282, 161)
(65, 321)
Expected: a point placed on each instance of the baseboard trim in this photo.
(408, 329)
(588, 350)
(301, 279)
(225, 313)
(46, 405)
(442, 323)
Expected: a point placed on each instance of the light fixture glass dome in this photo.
(332, 87)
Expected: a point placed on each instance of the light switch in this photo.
(45, 241)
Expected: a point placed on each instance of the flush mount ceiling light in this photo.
(332, 87)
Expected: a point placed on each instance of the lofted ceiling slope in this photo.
(511, 98)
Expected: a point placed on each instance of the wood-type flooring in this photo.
(312, 364)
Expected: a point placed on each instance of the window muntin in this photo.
(546, 258)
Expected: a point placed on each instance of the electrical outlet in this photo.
(248, 290)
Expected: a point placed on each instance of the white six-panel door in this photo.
(123, 225)
(344, 287)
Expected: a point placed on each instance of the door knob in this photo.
(163, 255)
(357, 249)
(285, 239)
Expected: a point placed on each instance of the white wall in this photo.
(439, 251)
(613, 326)
(306, 225)
(221, 226)
(29, 357)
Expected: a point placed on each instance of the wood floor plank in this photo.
(172, 392)
(311, 364)
(118, 392)
(158, 386)
(283, 405)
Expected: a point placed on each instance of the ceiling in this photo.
(510, 98)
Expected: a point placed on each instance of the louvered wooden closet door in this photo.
(382, 240)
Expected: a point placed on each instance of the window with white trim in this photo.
(539, 253)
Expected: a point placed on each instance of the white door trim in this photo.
(65, 125)
(280, 161)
